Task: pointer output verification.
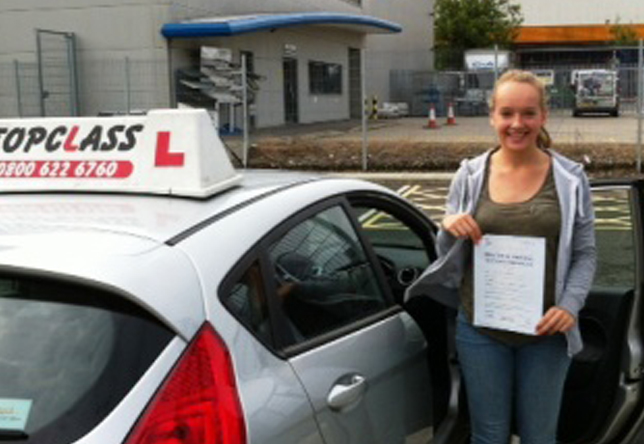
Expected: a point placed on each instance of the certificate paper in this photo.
(508, 282)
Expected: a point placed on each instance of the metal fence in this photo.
(124, 85)
(56, 73)
(469, 92)
(9, 90)
(105, 86)
(27, 91)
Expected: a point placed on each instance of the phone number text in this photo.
(72, 169)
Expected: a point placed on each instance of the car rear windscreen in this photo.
(68, 355)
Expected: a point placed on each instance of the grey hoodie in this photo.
(576, 254)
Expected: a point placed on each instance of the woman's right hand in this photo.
(462, 226)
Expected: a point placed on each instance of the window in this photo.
(324, 280)
(247, 301)
(614, 237)
(401, 251)
(74, 351)
(325, 78)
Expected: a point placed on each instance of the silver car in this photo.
(269, 313)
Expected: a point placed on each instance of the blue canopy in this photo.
(229, 26)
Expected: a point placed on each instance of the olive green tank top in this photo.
(539, 216)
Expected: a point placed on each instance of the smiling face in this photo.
(518, 115)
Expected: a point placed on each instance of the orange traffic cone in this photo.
(451, 120)
(432, 124)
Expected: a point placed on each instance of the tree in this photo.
(466, 24)
(623, 35)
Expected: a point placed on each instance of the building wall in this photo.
(107, 33)
(102, 27)
(408, 50)
(118, 36)
(187, 9)
(577, 33)
(268, 52)
(580, 12)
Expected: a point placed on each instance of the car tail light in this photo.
(198, 403)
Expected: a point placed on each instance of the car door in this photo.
(403, 241)
(361, 359)
(602, 399)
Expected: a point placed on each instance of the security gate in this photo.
(57, 74)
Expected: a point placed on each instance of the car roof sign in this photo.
(173, 152)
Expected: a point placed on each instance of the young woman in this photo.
(520, 188)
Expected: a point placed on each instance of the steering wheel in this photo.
(398, 279)
(293, 267)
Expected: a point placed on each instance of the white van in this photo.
(596, 91)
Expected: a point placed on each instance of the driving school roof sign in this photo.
(174, 152)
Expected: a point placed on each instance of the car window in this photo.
(402, 253)
(322, 276)
(247, 301)
(614, 237)
(73, 352)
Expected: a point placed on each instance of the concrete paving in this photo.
(562, 127)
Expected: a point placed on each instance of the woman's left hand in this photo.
(556, 320)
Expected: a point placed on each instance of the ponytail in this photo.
(543, 139)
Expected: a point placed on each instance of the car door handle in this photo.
(347, 392)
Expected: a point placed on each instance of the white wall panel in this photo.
(98, 27)
(580, 12)
(408, 50)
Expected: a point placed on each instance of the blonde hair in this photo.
(515, 75)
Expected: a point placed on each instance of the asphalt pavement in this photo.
(562, 126)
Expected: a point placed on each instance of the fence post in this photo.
(363, 87)
(16, 66)
(640, 103)
(41, 80)
(73, 74)
(496, 62)
(244, 81)
(128, 90)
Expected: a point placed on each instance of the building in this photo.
(312, 58)
(576, 32)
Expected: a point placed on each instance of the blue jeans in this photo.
(501, 380)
